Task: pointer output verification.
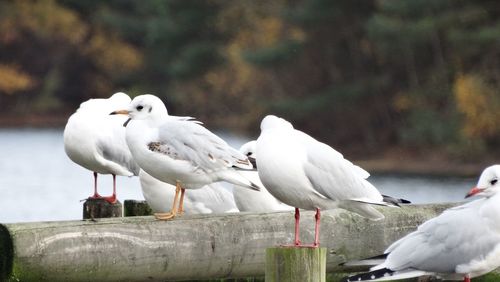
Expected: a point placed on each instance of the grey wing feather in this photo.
(118, 152)
(188, 140)
(335, 177)
(442, 243)
(113, 146)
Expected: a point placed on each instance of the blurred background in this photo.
(401, 85)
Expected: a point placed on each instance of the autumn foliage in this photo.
(362, 75)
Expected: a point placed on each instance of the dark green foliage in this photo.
(362, 75)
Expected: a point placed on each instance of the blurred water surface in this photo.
(38, 182)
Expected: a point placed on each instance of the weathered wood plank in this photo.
(193, 247)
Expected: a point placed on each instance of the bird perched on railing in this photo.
(96, 141)
(305, 173)
(461, 243)
(179, 151)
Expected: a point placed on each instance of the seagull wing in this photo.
(333, 176)
(112, 145)
(188, 140)
(456, 237)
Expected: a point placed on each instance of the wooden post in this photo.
(136, 208)
(295, 264)
(100, 208)
(6, 253)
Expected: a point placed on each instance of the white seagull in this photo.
(211, 198)
(461, 243)
(96, 141)
(305, 173)
(255, 201)
(179, 151)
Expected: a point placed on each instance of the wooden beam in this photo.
(192, 247)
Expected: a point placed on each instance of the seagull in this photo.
(255, 201)
(304, 173)
(461, 243)
(96, 141)
(179, 150)
(212, 198)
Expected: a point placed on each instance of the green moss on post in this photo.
(295, 264)
(6, 253)
(136, 208)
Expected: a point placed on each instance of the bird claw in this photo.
(165, 215)
(109, 199)
(300, 245)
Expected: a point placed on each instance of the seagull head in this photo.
(271, 122)
(120, 98)
(249, 149)
(144, 107)
(488, 183)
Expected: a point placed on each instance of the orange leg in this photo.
(173, 211)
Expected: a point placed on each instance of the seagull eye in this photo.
(494, 181)
(139, 108)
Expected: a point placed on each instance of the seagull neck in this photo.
(155, 121)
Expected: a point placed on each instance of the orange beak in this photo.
(474, 191)
(120, 112)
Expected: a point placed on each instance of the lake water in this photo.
(38, 182)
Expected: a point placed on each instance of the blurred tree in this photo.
(422, 45)
(361, 75)
(243, 85)
(479, 103)
(177, 38)
(12, 80)
(69, 60)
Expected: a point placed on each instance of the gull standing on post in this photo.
(461, 243)
(96, 141)
(179, 151)
(305, 173)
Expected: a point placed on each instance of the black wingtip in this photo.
(395, 201)
(255, 187)
(367, 276)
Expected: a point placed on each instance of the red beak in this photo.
(474, 191)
